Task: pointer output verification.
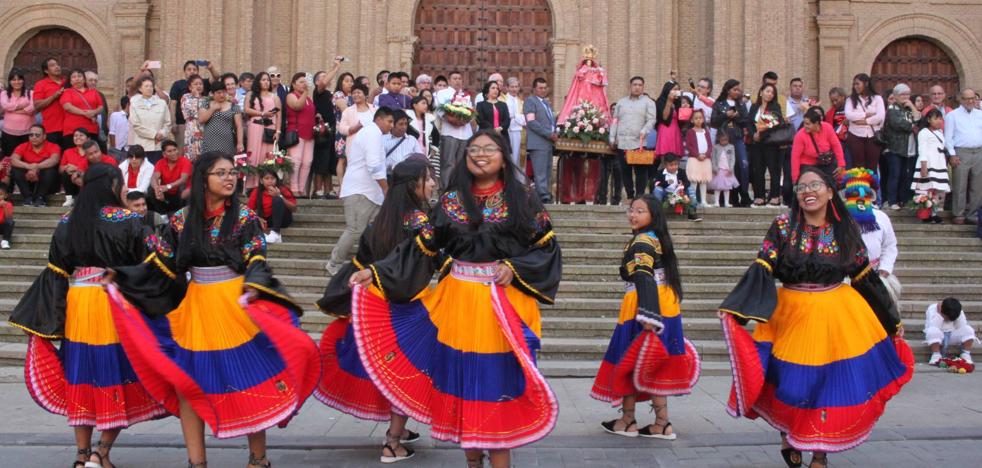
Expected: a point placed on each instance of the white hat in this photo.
(272, 70)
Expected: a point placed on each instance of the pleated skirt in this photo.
(89, 379)
(643, 363)
(242, 369)
(461, 359)
(821, 369)
(345, 384)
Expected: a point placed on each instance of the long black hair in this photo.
(260, 190)
(100, 188)
(194, 238)
(16, 73)
(659, 226)
(867, 88)
(257, 90)
(522, 204)
(339, 84)
(847, 232)
(400, 200)
(727, 87)
(662, 101)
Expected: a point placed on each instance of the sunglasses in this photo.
(37, 135)
(275, 75)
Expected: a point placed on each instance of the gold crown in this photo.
(590, 52)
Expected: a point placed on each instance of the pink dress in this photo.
(589, 84)
(669, 137)
(255, 147)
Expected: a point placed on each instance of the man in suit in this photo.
(541, 125)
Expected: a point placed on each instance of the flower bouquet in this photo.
(770, 120)
(922, 205)
(459, 111)
(277, 160)
(586, 122)
(676, 200)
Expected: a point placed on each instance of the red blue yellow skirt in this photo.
(460, 359)
(821, 369)
(89, 380)
(242, 370)
(645, 363)
(345, 384)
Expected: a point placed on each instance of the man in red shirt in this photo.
(170, 175)
(47, 93)
(35, 167)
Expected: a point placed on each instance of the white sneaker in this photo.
(273, 238)
(69, 201)
(4, 244)
(935, 358)
(966, 356)
(894, 207)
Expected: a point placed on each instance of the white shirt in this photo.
(446, 96)
(934, 319)
(515, 111)
(882, 245)
(366, 165)
(396, 154)
(119, 127)
(701, 144)
(142, 179)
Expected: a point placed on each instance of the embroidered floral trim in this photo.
(115, 214)
(156, 244)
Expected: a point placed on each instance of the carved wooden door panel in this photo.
(919, 63)
(67, 46)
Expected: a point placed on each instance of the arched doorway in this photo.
(67, 46)
(917, 62)
(480, 37)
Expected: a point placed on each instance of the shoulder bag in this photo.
(826, 158)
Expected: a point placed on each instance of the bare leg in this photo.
(397, 429)
(475, 458)
(819, 460)
(194, 433)
(661, 426)
(257, 449)
(106, 440)
(500, 458)
(627, 417)
(83, 440)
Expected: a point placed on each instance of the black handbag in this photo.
(289, 139)
(826, 158)
(269, 136)
(780, 135)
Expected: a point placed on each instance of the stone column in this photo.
(834, 32)
(130, 19)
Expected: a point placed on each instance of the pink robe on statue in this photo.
(580, 176)
(589, 84)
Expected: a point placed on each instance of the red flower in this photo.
(279, 160)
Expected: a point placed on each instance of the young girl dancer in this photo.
(89, 379)
(825, 357)
(477, 384)
(344, 384)
(648, 356)
(231, 354)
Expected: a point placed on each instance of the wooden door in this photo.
(67, 46)
(481, 37)
(919, 63)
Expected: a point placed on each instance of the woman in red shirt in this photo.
(300, 119)
(82, 105)
(72, 165)
(815, 141)
(274, 203)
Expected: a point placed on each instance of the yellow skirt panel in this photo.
(462, 313)
(667, 302)
(210, 318)
(88, 318)
(816, 328)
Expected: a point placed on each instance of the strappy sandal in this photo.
(95, 453)
(791, 455)
(87, 453)
(478, 463)
(395, 457)
(759, 202)
(261, 462)
(663, 433)
(609, 427)
(203, 464)
(820, 461)
(411, 437)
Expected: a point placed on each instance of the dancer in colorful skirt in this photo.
(231, 354)
(344, 383)
(89, 379)
(648, 357)
(824, 357)
(462, 357)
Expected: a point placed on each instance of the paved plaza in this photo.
(935, 421)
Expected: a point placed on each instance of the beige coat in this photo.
(147, 120)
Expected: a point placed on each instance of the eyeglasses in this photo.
(223, 173)
(489, 150)
(37, 135)
(809, 187)
(275, 75)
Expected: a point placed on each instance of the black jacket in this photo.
(485, 115)
(733, 126)
(773, 107)
(660, 178)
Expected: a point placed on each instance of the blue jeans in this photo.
(659, 193)
(896, 183)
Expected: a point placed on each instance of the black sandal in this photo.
(791, 454)
(609, 427)
(261, 462)
(410, 438)
(95, 453)
(821, 461)
(395, 455)
(663, 433)
(87, 453)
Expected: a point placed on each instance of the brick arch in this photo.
(953, 38)
(25, 22)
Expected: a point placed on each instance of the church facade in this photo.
(825, 42)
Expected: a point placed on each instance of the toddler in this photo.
(724, 157)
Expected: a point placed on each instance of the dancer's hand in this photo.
(249, 294)
(108, 277)
(362, 278)
(504, 275)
